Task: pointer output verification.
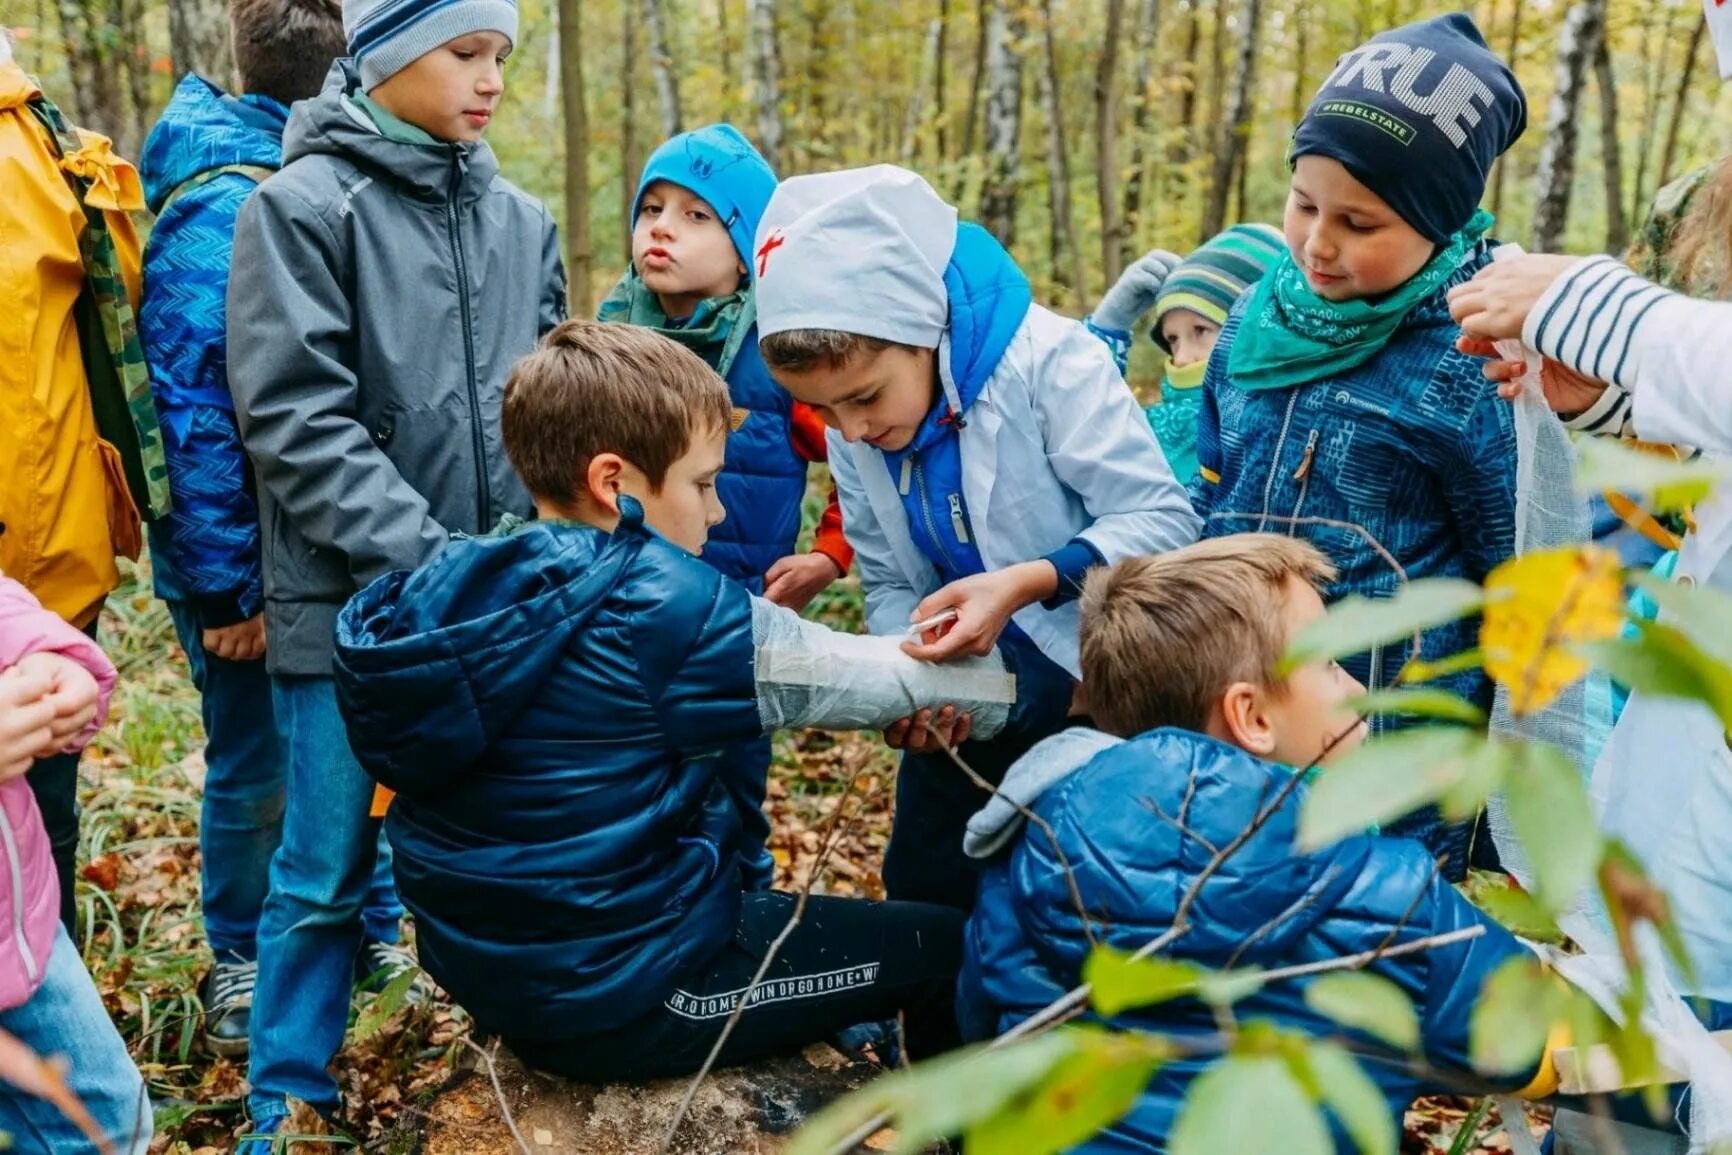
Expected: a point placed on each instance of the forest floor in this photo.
(144, 942)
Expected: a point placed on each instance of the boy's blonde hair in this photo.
(1164, 636)
(591, 388)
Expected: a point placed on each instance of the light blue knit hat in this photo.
(386, 36)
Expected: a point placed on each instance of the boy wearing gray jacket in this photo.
(383, 283)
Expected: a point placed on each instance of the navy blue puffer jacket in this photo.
(549, 706)
(1268, 906)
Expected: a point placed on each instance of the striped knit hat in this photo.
(1209, 280)
(387, 36)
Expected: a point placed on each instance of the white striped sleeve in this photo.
(1589, 317)
(1610, 416)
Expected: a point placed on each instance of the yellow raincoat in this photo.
(65, 512)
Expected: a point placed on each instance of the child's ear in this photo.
(602, 480)
(1245, 721)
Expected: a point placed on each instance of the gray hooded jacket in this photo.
(380, 293)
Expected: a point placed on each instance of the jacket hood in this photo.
(1137, 867)
(331, 124)
(1047, 763)
(204, 128)
(989, 298)
(718, 163)
(432, 666)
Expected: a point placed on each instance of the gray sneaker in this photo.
(227, 994)
(380, 963)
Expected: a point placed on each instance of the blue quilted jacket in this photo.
(550, 706)
(1268, 906)
(1414, 447)
(207, 550)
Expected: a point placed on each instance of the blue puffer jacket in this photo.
(1414, 447)
(207, 550)
(549, 706)
(1268, 906)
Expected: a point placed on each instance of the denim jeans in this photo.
(65, 1017)
(312, 923)
(241, 821)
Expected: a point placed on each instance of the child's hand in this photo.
(1566, 391)
(922, 734)
(26, 719)
(798, 578)
(983, 605)
(241, 642)
(1495, 304)
(1135, 291)
(72, 693)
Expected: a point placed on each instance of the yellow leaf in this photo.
(1538, 608)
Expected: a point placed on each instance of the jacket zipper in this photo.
(957, 521)
(16, 870)
(926, 514)
(1303, 476)
(1275, 461)
(1375, 677)
(483, 509)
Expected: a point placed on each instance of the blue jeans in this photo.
(311, 928)
(65, 1017)
(241, 822)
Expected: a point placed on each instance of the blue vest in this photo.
(763, 482)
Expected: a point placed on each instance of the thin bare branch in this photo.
(498, 1091)
(1154, 808)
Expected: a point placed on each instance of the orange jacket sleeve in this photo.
(809, 438)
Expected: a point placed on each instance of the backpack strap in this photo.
(253, 172)
(108, 341)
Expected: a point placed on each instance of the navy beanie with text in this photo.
(1418, 115)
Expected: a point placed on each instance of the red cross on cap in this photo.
(771, 243)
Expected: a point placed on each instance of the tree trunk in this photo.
(1501, 169)
(1218, 70)
(578, 257)
(1577, 42)
(1107, 143)
(1301, 91)
(726, 51)
(1147, 35)
(1185, 142)
(95, 96)
(939, 107)
(666, 71)
(1653, 63)
(1611, 151)
(1230, 150)
(1003, 120)
(1670, 153)
(629, 161)
(766, 65)
(914, 121)
(982, 38)
(198, 41)
(130, 63)
(814, 126)
(1066, 257)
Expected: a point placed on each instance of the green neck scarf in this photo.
(1292, 336)
(715, 330)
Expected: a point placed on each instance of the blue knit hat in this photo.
(387, 36)
(1418, 115)
(718, 163)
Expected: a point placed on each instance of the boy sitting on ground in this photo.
(1198, 735)
(554, 705)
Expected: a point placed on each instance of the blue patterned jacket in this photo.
(1414, 446)
(206, 551)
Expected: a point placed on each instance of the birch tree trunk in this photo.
(666, 71)
(982, 38)
(198, 41)
(1230, 150)
(578, 257)
(940, 109)
(1066, 257)
(765, 62)
(1107, 143)
(1670, 153)
(1611, 150)
(629, 161)
(1003, 121)
(1501, 169)
(914, 121)
(1147, 35)
(1577, 43)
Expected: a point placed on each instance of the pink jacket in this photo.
(29, 891)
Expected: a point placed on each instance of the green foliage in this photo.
(1513, 1017)
(1668, 485)
(1118, 982)
(1663, 661)
(1389, 777)
(1249, 1103)
(383, 1005)
(1086, 1092)
(1439, 705)
(1354, 1099)
(1356, 624)
(1553, 817)
(1513, 908)
(1366, 1002)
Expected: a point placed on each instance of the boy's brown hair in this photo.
(802, 350)
(1163, 637)
(591, 388)
(284, 48)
